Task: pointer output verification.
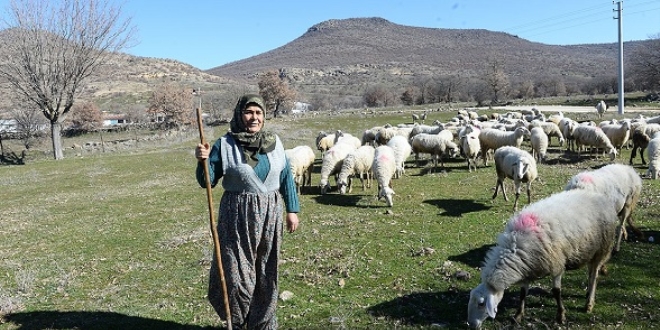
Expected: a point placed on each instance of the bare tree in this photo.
(275, 90)
(30, 124)
(175, 103)
(54, 46)
(86, 117)
(497, 80)
(644, 64)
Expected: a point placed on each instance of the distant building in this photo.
(299, 107)
(8, 125)
(114, 119)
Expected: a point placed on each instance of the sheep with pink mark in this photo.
(515, 164)
(622, 186)
(384, 168)
(545, 238)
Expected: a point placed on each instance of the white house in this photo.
(299, 107)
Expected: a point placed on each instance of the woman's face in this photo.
(253, 118)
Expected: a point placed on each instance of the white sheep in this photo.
(618, 133)
(357, 163)
(470, 146)
(385, 134)
(492, 139)
(653, 154)
(331, 163)
(594, 137)
(567, 126)
(301, 160)
(325, 141)
(539, 141)
(402, 150)
(601, 107)
(551, 130)
(620, 184)
(347, 138)
(384, 167)
(437, 145)
(567, 230)
(518, 165)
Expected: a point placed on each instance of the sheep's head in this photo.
(612, 154)
(324, 186)
(342, 185)
(483, 303)
(387, 193)
(520, 168)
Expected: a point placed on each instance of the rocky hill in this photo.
(360, 51)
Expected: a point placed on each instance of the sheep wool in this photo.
(546, 238)
(357, 164)
(384, 167)
(301, 160)
(653, 154)
(621, 185)
(515, 164)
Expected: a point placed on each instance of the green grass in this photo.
(120, 240)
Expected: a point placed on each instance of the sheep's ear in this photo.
(491, 305)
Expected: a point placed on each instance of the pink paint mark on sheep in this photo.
(527, 222)
(383, 157)
(586, 178)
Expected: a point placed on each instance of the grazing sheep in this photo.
(539, 141)
(384, 167)
(332, 162)
(653, 150)
(515, 164)
(384, 135)
(617, 133)
(594, 137)
(470, 147)
(601, 107)
(402, 150)
(325, 141)
(492, 139)
(567, 126)
(347, 138)
(301, 159)
(437, 145)
(622, 186)
(565, 231)
(641, 136)
(551, 130)
(357, 163)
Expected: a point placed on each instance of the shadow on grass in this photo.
(473, 258)
(457, 207)
(91, 320)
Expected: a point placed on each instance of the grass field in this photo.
(120, 240)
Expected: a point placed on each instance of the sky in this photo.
(210, 33)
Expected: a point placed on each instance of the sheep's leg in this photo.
(633, 153)
(498, 185)
(524, 289)
(529, 193)
(591, 289)
(556, 292)
(641, 154)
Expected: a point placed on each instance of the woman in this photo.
(258, 184)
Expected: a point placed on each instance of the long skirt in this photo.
(250, 233)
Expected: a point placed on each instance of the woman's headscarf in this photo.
(252, 143)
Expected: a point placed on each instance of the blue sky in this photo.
(210, 33)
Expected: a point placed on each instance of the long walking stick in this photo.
(214, 229)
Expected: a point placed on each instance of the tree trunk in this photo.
(56, 138)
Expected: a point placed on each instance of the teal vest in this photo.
(238, 176)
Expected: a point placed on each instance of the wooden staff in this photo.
(214, 229)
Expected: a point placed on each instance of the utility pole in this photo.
(619, 17)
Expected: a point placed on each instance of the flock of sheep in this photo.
(541, 239)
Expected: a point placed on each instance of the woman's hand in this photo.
(202, 151)
(291, 222)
